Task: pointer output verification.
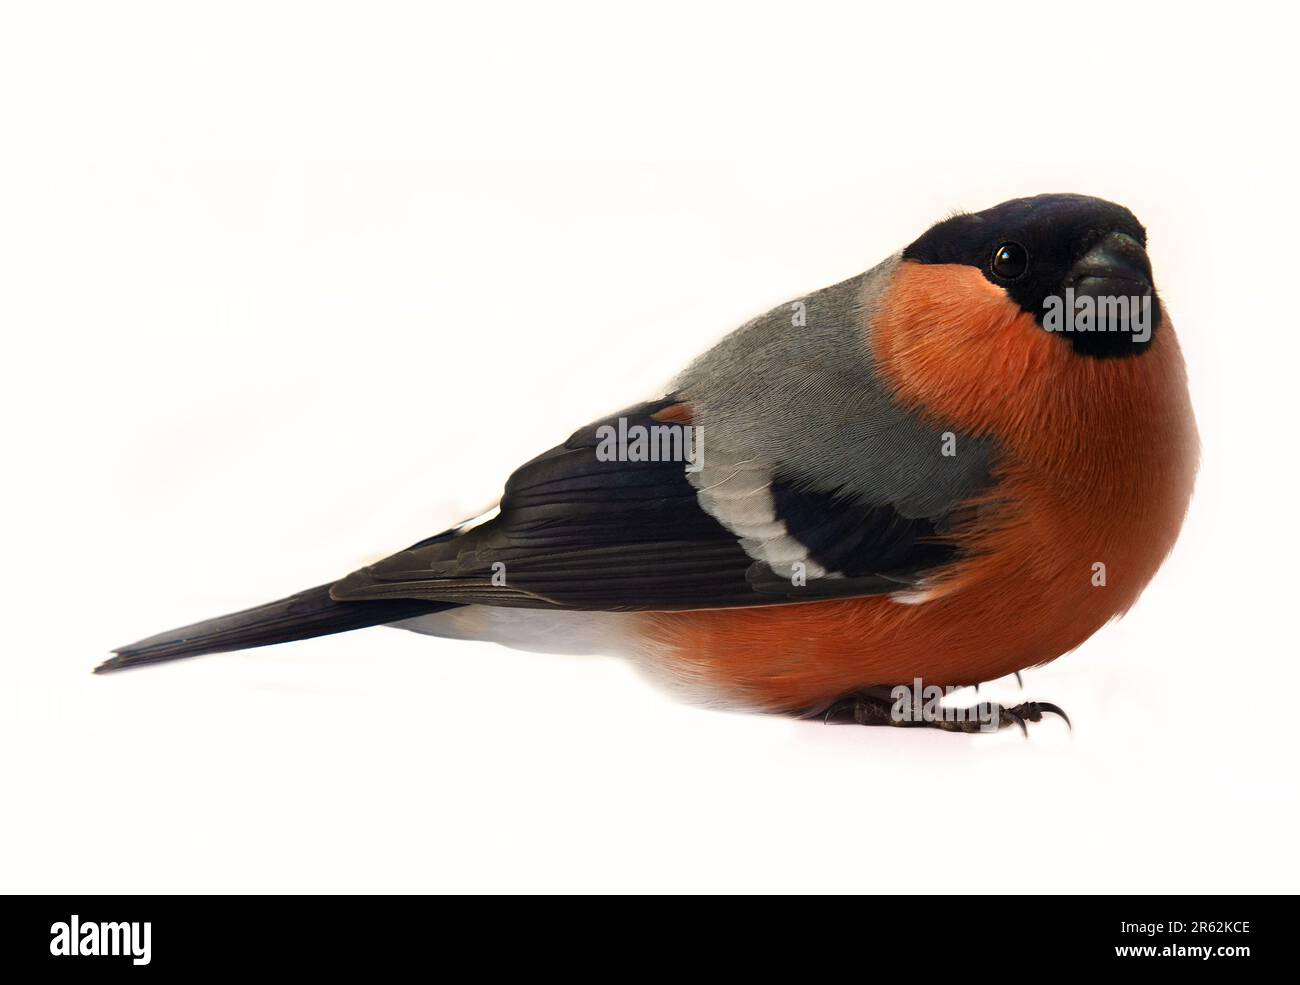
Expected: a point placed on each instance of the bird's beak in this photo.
(1115, 267)
(1118, 261)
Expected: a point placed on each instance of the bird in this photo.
(915, 478)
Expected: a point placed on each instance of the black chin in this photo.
(1112, 345)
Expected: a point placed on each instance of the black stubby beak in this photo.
(1116, 265)
(1116, 274)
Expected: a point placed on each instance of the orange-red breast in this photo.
(956, 465)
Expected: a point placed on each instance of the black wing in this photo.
(578, 532)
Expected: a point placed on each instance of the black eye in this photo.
(1010, 260)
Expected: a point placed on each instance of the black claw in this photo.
(1020, 680)
(1032, 711)
(1055, 710)
(844, 704)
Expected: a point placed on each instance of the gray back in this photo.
(805, 403)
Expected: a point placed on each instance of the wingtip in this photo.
(115, 662)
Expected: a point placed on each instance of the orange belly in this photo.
(1030, 593)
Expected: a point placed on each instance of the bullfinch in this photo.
(956, 465)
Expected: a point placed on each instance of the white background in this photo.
(285, 288)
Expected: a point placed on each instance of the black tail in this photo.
(302, 616)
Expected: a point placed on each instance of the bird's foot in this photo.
(902, 707)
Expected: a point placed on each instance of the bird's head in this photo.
(1028, 314)
(1069, 255)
